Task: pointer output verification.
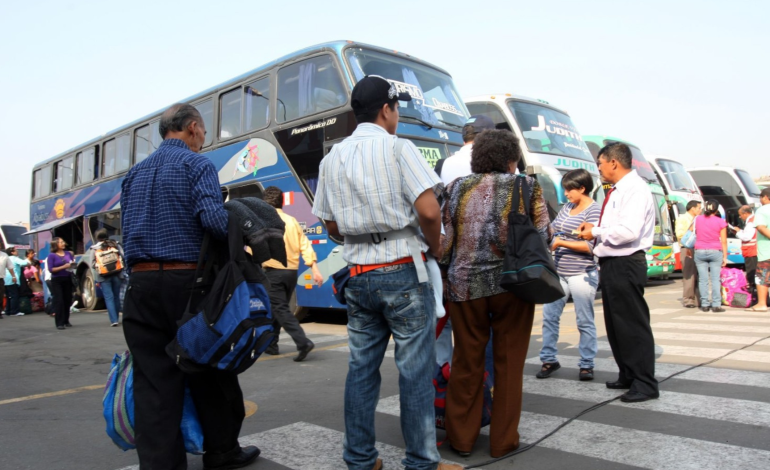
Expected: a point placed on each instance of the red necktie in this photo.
(604, 204)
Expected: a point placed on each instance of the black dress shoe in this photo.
(717, 309)
(705, 309)
(547, 369)
(618, 385)
(636, 397)
(272, 350)
(60, 327)
(246, 456)
(68, 325)
(304, 351)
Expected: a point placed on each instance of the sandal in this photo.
(755, 309)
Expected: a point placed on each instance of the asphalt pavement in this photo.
(711, 417)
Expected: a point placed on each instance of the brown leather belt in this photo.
(162, 266)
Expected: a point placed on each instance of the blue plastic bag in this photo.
(118, 409)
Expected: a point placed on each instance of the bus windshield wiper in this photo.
(418, 120)
(451, 124)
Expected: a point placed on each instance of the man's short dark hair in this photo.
(178, 117)
(765, 193)
(469, 133)
(692, 205)
(9, 251)
(371, 116)
(101, 235)
(273, 196)
(617, 151)
(494, 150)
(576, 179)
(745, 210)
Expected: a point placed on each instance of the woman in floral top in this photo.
(475, 217)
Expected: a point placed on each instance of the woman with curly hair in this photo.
(475, 217)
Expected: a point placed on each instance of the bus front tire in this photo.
(88, 297)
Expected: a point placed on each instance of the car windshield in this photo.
(13, 235)
(547, 130)
(676, 176)
(434, 97)
(751, 186)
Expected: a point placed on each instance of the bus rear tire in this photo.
(88, 297)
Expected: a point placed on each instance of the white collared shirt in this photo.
(458, 165)
(365, 190)
(628, 223)
(749, 231)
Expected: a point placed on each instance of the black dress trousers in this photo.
(155, 301)
(627, 319)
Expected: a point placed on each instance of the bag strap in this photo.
(520, 190)
(199, 269)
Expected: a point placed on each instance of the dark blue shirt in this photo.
(167, 201)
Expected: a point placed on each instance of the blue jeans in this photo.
(380, 304)
(583, 289)
(705, 261)
(111, 291)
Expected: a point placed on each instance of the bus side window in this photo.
(87, 165)
(309, 87)
(42, 182)
(63, 174)
(492, 111)
(116, 156)
(230, 114)
(146, 140)
(206, 108)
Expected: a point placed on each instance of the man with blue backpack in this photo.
(168, 201)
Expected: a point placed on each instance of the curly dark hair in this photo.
(273, 196)
(494, 150)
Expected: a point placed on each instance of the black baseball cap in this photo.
(478, 123)
(373, 91)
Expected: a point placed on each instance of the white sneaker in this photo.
(73, 309)
(20, 314)
(114, 324)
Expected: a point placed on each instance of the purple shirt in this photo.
(707, 229)
(55, 261)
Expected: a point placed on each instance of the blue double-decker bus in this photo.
(268, 127)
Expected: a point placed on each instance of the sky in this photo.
(686, 79)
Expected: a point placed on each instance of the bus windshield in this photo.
(434, 97)
(676, 176)
(13, 235)
(751, 186)
(549, 131)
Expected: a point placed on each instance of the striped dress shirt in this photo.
(365, 188)
(167, 201)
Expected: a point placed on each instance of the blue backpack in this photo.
(232, 325)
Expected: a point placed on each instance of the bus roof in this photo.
(607, 137)
(503, 97)
(332, 46)
(726, 169)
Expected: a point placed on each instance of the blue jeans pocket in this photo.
(406, 309)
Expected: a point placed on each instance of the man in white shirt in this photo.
(748, 238)
(459, 164)
(623, 235)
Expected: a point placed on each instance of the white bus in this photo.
(731, 188)
(551, 144)
(13, 235)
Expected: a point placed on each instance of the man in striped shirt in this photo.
(368, 189)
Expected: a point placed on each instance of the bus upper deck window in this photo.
(309, 87)
(206, 108)
(256, 106)
(86, 166)
(42, 182)
(230, 114)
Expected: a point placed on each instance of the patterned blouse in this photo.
(475, 217)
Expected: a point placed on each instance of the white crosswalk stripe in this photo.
(705, 353)
(663, 311)
(708, 327)
(725, 319)
(287, 341)
(611, 443)
(662, 370)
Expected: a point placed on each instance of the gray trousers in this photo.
(690, 294)
(282, 285)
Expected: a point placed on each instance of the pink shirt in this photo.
(707, 229)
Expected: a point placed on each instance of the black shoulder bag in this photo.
(528, 268)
